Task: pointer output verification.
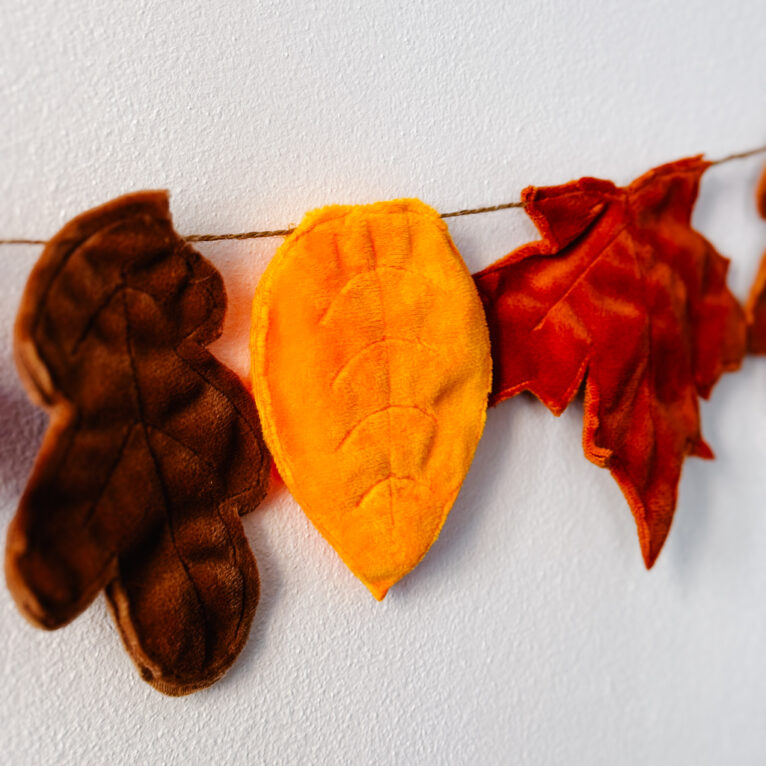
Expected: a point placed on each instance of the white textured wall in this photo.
(531, 634)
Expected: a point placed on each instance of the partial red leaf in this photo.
(755, 308)
(623, 294)
(154, 447)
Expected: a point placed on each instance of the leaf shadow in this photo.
(698, 501)
(691, 519)
(23, 425)
(270, 585)
(232, 348)
(456, 540)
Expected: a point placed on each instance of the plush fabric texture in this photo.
(153, 448)
(371, 371)
(755, 309)
(623, 294)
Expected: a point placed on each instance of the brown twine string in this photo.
(454, 214)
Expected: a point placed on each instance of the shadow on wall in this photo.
(701, 504)
(270, 580)
(240, 265)
(465, 519)
(23, 425)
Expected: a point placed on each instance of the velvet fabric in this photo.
(622, 294)
(755, 308)
(371, 371)
(152, 451)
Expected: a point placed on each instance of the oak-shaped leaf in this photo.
(153, 448)
(621, 293)
(755, 308)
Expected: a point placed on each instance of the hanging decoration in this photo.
(374, 354)
(152, 451)
(371, 371)
(620, 294)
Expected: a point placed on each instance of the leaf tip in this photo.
(760, 194)
(702, 450)
(379, 589)
(652, 539)
(650, 557)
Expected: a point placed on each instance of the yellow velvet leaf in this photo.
(371, 371)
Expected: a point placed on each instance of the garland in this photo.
(374, 355)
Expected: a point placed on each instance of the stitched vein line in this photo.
(230, 400)
(160, 476)
(232, 544)
(648, 378)
(59, 267)
(212, 306)
(91, 323)
(580, 277)
(387, 479)
(347, 285)
(188, 365)
(212, 468)
(48, 287)
(374, 268)
(115, 463)
(372, 344)
(388, 409)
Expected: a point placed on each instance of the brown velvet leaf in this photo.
(153, 450)
(621, 293)
(755, 308)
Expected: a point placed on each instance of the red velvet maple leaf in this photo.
(755, 310)
(622, 293)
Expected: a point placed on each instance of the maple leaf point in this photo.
(621, 293)
(755, 308)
